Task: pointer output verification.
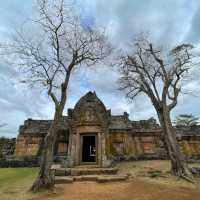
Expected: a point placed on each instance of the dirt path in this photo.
(136, 189)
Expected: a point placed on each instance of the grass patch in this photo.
(15, 183)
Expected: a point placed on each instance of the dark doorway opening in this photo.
(89, 148)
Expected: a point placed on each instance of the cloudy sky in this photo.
(168, 21)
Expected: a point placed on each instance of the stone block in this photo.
(64, 180)
(116, 178)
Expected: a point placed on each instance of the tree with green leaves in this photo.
(186, 120)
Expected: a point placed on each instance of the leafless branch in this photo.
(62, 44)
(147, 70)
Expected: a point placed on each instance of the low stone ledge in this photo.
(115, 178)
(19, 162)
(139, 157)
(62, 172)
(95, 178)
(84, 171)
(63, 180)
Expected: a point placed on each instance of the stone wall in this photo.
(118, 137)
(7, 147)
(27, 145)
(119, 145)
(123, 145)
(189, 140)
(30, 161)
(190, 147)
(31, 136)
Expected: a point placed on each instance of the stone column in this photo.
(69, 145)
(103, 150)
(99, 150)
(77, 149)
(72, 150)
(139, 150)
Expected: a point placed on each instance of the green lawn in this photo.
(15, 182)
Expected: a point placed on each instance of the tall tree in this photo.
(49, 58)
(159, 75)
(186, 120)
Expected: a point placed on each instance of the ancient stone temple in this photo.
(89, 134)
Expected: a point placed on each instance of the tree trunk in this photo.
(45, 177)
(178, 164)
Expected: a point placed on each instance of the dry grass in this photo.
(141, 168)
(136, 189)
(15, 182)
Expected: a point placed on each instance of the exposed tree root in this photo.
(189, 179)
(187, 175)
(42, 183)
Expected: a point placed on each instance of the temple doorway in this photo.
(89, 150)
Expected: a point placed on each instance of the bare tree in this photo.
(48, 59)
(158, 75)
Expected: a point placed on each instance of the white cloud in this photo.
(169, 22)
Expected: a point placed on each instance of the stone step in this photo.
(84, 171)
(86, 178)
(96, 178)
(87, 166)
(115, 178)
(64, 180)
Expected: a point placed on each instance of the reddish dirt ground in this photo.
(136, 189)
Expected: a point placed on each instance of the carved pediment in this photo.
(88, 115)
(90, 109)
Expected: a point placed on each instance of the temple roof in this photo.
(91, 98)
(40, 127)
(114, 122)
(117, 122)
(120, 122)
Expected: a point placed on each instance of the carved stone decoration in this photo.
(90, 109)
(88, 115)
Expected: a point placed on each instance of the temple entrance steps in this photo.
(78, 171)
(96, 178)
(86, 173)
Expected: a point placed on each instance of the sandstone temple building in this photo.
(90, 134)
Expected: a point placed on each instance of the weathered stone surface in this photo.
(115, 178)
(96, 178)
(7, 147)
(64, 180)
(23, 162)
(89, 178)
(62, 172)
(84, 171)
(117, 137)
